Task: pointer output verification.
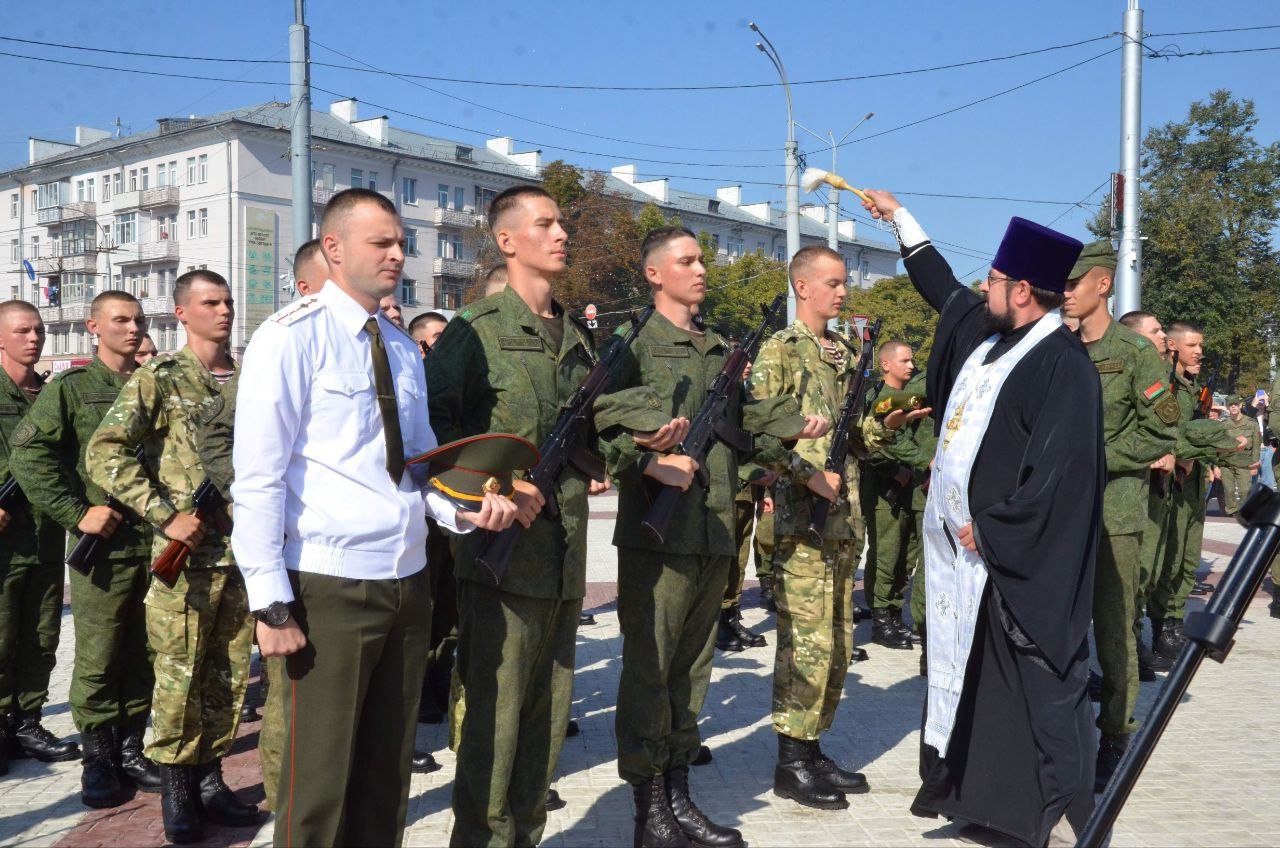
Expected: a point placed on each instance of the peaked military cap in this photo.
(1236, 399)
(897, 400)
(1096, 254)
(465, 470)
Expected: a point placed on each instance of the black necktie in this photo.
(386, 401)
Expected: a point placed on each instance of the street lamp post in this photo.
(791, 159)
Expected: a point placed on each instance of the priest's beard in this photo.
(997, 324)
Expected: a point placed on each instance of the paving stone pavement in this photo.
(1214, 780)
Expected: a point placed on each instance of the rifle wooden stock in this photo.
(173, 558)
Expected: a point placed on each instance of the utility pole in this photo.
(833, 193)
(300, 137)
(1129, 269)
(791, 163)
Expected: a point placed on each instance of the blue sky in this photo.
(1054, 140)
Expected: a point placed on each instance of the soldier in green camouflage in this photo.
(893, 506)
(670, 590)
(112, 678)
(1139, 426)
(31, 548)
(753, 510)
(200, 629)
(1238, 468)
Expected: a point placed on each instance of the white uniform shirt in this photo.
(311, 490)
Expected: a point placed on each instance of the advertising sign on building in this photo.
(259, 296)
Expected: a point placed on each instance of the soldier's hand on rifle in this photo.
(598, 487)
(100, 521)
(673, 469)
(766, 480)
(280, 641)
(4, 519)
(766, 505)
(898, 417)
(664, 438)
(903, 477)
(825, 484)
(882, 205)
(1183, 465)
(815, 427)
(1164, 463)
(184, 528)
(495, 513)
(528, 501)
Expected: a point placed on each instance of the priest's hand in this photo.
(825, 484)
(881, 204)
(965, 537)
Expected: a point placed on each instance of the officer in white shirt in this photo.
(336, 401)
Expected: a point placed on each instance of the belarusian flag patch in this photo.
(1154, 391)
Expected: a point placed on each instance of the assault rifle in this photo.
(565, 446)
(1210, 632)
(1160, 479)
(12, 500)
(82, 557)
(850, 413)
(207, 501)
(1204, 402)
(711, 423)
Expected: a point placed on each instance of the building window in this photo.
(448, 294)
(35, 247)
(442, 196)
(49, 195)
(167, 175)
(410, 194)
(166, 227)
(459, 197)
(202, 218)
(164, 281)
(117, 182)
(448, 246)
(325, 177)
(357, 178)
(127, 228)
(410, 241)
(191, 170)
(13, 205)
(373, 181)
(80, 191)
(15, 254)
(202, 167)
(91, 191)
(144, 181)
(408, 291)
(133, 179)
(191, 223)
(735, 246)
(484, 196)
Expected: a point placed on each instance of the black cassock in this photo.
(1023, 749)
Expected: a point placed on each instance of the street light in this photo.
(833, 195)
(791, 161)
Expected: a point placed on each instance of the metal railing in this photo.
(66, 212)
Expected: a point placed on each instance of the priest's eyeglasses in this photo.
(992, 279)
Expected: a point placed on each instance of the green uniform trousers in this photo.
(815, 633)
(894, 539)
(201, 633)
(918, 598)
(30, 622)
(515, 665)
(443, 643)
(1115, 592)
(749, 515)
(350, 709)
(1235, 486)
(667, 609)
(113, 674)
(271, 733)
(1184, 533)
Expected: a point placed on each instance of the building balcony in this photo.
(156, 305)
(456, 268)
(66, 212)
(455, 218)
(322, 196)
(66, 312)
(147, 198)
(69, 263)
(162, 250)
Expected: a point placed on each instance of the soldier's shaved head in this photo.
(659, 238)
(805, 258)
(340, 206)
(1182, 329)
(15, 307)
(510, 200)
(182, 286)
(109, 296)
(889, 348)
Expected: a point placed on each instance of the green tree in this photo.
(735, 291)
(563, 182)
(907, 318)
(1211, 202)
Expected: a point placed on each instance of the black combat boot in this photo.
(697, 828)
(924, 653)
(36, 742)
(178, 805)
(1158, 662)
(766, 593)
(848, 782)
(99, 784)
(218, 803)
(1273, 607)
(656, 827)
(900, 624)
(422, 762)
(1094, 686)
(796, 777)
(136, 768)
(1169, 642)
(554, 801)
(745, 636)
(702, 758)
(1110, 750)
(6, 743)
(726, 637)
(884, 634)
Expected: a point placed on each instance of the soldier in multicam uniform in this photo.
(112, 678)
(31, 548)
(670, 591)
(1238, 468)
(753, 522)
(200, 629)
(814, 586)
(1139, 426)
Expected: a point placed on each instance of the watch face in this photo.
(275, 615)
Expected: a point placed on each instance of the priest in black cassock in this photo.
(1011, 531)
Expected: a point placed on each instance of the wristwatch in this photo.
(276, 614)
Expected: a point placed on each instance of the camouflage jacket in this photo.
(48, 455)
(30, 536)
(680, 368)
(1139, 422)
(1247, 427)
(164, 407)
(793, 362)
(496, 369)
(912, 447)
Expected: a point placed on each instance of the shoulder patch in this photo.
(1167, 409)
(22, 434)
(1153, 392)
(297, 311)
(477, 309)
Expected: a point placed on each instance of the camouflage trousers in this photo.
(894, 537)
(814, 591)
(1235, 486)
(1115, 588)
(30, 624)
(749, 515)
(113, 675)
(201, 633)
(916, 602)
(1180, 557)
(271, 734)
